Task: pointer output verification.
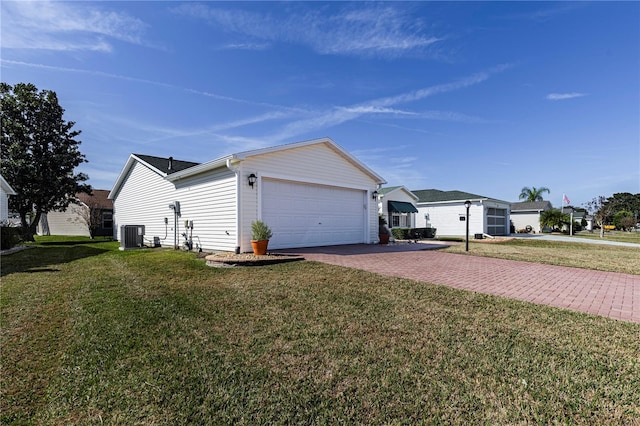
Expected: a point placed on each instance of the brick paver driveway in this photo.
(609, 294)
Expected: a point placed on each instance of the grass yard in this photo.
(94, 335)
(626, 237)
(587, 256)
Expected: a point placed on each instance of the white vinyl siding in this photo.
(4, 205)
(144, 199)
(209, 200)
(308, 215)
(522, 220)
(313, 164)
(72, 221)
(446, 218)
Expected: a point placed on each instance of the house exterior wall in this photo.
(4, 205)
(314, 164)
(209, 200)
(445, 217)
(520, 220)
(398, 195)
(71, 221)
(144, 199)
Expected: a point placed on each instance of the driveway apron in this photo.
(609, 294)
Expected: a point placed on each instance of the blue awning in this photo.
(401, 207)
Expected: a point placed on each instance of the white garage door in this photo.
(306, 215)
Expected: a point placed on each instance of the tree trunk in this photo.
(29, 230)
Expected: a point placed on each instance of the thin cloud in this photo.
(339, 115)
(377, 30)
(563, 96)
(63, 26)
(150, 82)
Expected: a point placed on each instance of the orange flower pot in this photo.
(259, 247)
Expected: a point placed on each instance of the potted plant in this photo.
(260, 235)
(383, 231)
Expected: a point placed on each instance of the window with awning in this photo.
(401, 207)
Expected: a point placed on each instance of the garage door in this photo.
(306, 215)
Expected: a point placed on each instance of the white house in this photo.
(445, 211)
(396, 205)
(95, 209)
(526, 215)
(5, 191)
(310, 193)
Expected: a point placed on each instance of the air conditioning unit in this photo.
(131, 237)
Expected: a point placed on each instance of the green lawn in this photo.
(94, 335)
(627, 237)
(578, 255)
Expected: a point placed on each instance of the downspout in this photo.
(236, 170)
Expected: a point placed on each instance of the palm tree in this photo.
(533, 193)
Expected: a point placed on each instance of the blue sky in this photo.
(484, 97)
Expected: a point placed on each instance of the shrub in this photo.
(260, 231)
(9, 236)
(413, 233)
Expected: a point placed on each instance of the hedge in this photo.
(413, 233)
(9, 237)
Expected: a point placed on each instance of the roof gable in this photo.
(6, 187)
(388, 190)
(166, 165)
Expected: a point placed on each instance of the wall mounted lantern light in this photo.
(374, 195)
(252, 179)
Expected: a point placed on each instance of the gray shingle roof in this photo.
(387, 189)
(530, 206)
(434, 195)
(162, 163)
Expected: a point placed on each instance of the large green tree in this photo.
(533, 194)
(39, 153)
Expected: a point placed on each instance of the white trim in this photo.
(6, 187)
(311, 181)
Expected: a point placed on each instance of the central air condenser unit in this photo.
(131, 237)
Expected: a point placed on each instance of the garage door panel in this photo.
(305, 215)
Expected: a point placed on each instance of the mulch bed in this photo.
(224, 259)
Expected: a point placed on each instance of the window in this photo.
(401, 220)
(107, 219)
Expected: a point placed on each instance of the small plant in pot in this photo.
(383, 231)
(260, 235)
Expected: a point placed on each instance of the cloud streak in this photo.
(564, 96)
(377, 30)
(59, 26)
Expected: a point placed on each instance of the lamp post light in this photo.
(467, 204)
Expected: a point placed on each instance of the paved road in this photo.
(609, 294)
(563, 238)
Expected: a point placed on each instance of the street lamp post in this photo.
(467, 204)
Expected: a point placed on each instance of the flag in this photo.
(566, 199)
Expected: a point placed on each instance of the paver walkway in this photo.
(609, 294)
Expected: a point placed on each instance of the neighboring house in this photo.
(396, 205)
(445, 211)
(95, 210)
(527, 214)
(310, 193)
(5, 192)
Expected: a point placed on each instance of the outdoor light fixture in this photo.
(252, 179)
(374, 195)
(467, 204)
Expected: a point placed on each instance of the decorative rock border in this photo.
(227, 260)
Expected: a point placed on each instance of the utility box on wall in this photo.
(131, 237)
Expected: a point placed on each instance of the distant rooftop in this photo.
(530, 206)
(435, 195)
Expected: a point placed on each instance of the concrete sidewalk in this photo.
(609, 294)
